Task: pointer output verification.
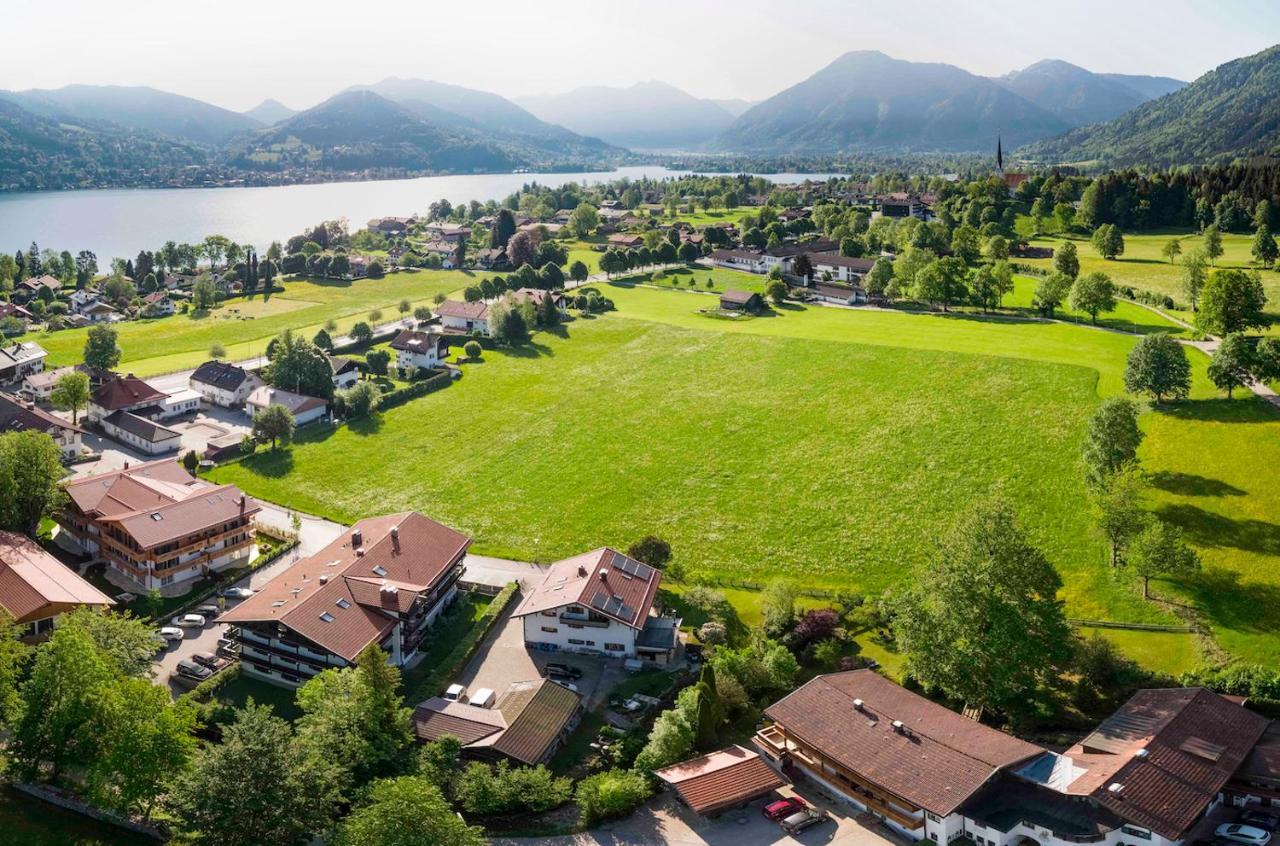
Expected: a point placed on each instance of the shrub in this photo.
(610, 794)
(713, 633)
(815, 625)
(709, 601)
(503, 789)
(472, 349)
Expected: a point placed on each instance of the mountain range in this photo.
(1231, 111)
(646, 116)
(1080, 97)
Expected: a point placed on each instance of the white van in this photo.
(454, 693)
(483, 698)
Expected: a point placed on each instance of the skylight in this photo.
(342, 603)
(327, 617)
(379, 571)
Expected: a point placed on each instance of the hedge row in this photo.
(429, 385)
(433, 682)
(205, 691)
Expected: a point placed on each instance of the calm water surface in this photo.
(122, 222)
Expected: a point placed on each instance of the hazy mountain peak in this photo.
(270, 111)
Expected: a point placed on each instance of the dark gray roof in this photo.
(140, 426)
(220, 374)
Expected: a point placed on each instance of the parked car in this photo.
(482, 698)
(192, 670)
(563, 671)
(1246, 834)
(1259, 818)
(189, 621)
(566, 684)
(171, 633)
(210, 610)
(783, 808)
(801, 820)
(208, 659)
(455, 692)
(236, 592)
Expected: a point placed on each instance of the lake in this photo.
(121, 222)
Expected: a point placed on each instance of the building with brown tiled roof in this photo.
(464, 318)
(34, 285)
(1148, 774)
(385, 581)
(599, 602)
(527, 725)
(304, 409)
(417, 349)
(722, 780)
(156, 526)
(19, 415)
(35, 587)
(123, 393)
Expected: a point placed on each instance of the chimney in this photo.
(126, 465)
(357, 539)
(395, 538)
(604, 576)
(899, 727)
(324, 578)
(857, 704)
(582, 571)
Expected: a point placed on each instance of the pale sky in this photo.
(237, 52)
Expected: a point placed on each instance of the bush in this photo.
(472, 349)
(400, 396)
(503, 789)
(713, 633)
(709, 601)
(610, 794)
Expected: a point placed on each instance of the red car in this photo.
(783, 808)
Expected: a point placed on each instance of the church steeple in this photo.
(999, 155)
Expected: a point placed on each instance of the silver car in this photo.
(1246, 834)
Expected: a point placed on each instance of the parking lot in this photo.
(664, 820)
(197, 430)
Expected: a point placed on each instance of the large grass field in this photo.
(827, 445)
(244, 326)
(1143, 266)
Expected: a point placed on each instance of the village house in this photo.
(17, 361)
(451, 253)
(784, 256)
(747, 301)
(346, 372)
(900, 204)
(223, 384)
(384, 581)
(453, 233)
(390, 225)
(840, 268)
(626, 242)
(1148, 774)
(745, 260)
(464, 318)
(156, 526)
(416, 349)
(830, 292)
(143, 434)
(35, 284)
(304, 409)
(17, 312)
(82, 299)
(528, 723)
(99, 312)
(158, 304)
(492, 258)
(124, 393)
(537, 295)
(599, 603)
(36, 588)
(39, 386)
(18, 415)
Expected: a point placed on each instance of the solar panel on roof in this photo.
(627, 612)
(600, 600)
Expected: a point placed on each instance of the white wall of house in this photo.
(342, 381)
(224, 398)
(163, 444)
(413, 359)
(547, 630)
(183, 402)
(465, 325)
(1125, 836)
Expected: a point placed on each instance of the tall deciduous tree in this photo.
(1213, 243)
(298, 365)
(1265, 251)
(1234, 363)
(1195, 271)
(1066, 260)
(274, 423)
(1158, 551)
(30, 469)
(406, 811)
(1093, 294)
(71, 393)
(983, 622)
(1232, 301)
(1119, 510)
(100, 348)
(1111, 440)
(1158, 365)
(1050, 292)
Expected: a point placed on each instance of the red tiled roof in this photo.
(17, 415)
(739, 297)
(468, 311)
(603, 580)
(340, 597)
(125, 392)
(721, 780)
(34, 585)
(1174, 750)
(939, 760)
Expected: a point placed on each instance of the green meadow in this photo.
(244, 326)
(822, 444)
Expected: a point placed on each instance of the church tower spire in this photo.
(999, 155)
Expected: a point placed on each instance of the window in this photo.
(576, 642)
(932, 817)
(379, 571)
(550, 629)
(166, 580)
(615, 647)
(342, 603)
(933, 835)
(326, 617)
(575, 625)
(548, 613)
(1137, 832)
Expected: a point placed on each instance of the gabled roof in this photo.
(721, 780)
(340, 364)
(834, 259)
(738, 297)
(21, 353)
(414, 341)
(148, 430)
(346, 595)
(523, 726)
(35, 585)
(939, 759)
(604, 581)
(125, 392)
(1170, 750)
(296, 403)
(17, 415)
(222, 375)
(35, 283)
(468, 311)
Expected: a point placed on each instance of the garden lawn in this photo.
(1142, 265)
(822, 444)
(244, 326)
